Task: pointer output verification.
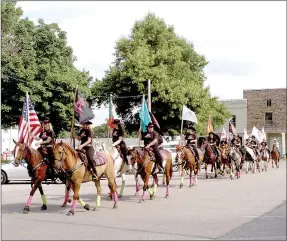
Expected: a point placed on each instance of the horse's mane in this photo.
(73, 152)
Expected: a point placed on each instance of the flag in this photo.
(255, 132)
(232, 129)
(209, 126)
(82, 109)
(154, 121)
(223, 134)
(245, 135)
(188, 114)
(111, 114)
(144, 115)
(35, 125)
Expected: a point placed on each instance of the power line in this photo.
(98, 96)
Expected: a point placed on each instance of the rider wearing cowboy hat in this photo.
(191, 140)
(151, 138)
(118, 140)
(85, 136)
(213, 140)
(264, 146)
(47, 135)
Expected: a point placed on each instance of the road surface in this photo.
(252, 207)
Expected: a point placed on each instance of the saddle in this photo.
(83, 157)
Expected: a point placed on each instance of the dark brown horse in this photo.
(37, 170)
(224, 157)
(186, 161)
(209, 158)
(146, 166)
(275, 156)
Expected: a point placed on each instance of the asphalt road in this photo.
(252, 207)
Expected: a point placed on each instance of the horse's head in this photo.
(61, 153)
(133, 155)
(20, 152)
(179, 153)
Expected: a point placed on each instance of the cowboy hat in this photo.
(150, 125)
(116, 121)
(87, 122)
(46, 120)
(191, 128)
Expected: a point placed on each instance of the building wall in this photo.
(239, 109)
(257, 107)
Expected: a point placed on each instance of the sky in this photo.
(244, 42)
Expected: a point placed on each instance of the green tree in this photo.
(36, 58)
(101, 131)
(154, 51)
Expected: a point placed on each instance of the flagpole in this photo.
(140, 129)
(109, 129)
(149, 95)
(181, 128)
(28, 114)
(73, 120)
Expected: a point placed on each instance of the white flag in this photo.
(245, 135)
(223, 134)
(257, 133)
(188, 114)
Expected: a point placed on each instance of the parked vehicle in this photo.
(11, 173)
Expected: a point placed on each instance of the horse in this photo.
(235, 157)
(224, 157)
(275, 156)
(186, 160)
(209, 158)
(265, 158)
(67, 160)
(145, 161)
(249, 157)
(37, 170)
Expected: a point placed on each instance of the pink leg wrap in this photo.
(190, 180)
(143, 196)
(115, 197)
(74, 204)
(137, 187)
(67, 197)
(29, 201)
(167, 189)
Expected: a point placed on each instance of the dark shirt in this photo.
(116, 134)
(160, 140)
(213, 141)
(86, 134)
(190, 139)
(254, 143)
(44, 136)
(264, 143)
(148, 137)
(223, 143)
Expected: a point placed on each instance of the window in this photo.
(268, 118)
(233, 120)
(268, 102)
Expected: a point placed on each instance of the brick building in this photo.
(267, 108)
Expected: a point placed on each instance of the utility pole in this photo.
(149, 96)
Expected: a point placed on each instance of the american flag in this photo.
(35, 125)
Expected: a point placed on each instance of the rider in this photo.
(264, 145)
(223, 142)
(85, 136)
(151, 138)
(236, 141)
(47, 135)
(118, 135)
(254, 144)
(213, 140)
(160, 141)
(191, 141)
(277, 145)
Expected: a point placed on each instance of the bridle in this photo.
(23, 153)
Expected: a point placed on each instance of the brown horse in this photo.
(145, 161)
(224, 157)
(37, 170)
(186, 160)
(209, 158)
(68, 161)
(275, 156)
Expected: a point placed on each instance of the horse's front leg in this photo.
(205, 167)
(137, 184)
(123, 176)
(67, 194)
(32, 192)
(155, 185)
(145, 187)
(181, 168)
(215, 169)
(190, 177)
(43, 196)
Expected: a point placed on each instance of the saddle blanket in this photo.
(100, 158)
(164, 154)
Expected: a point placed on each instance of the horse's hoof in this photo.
(166, 195)
(115, 206)
(26, 210)
(70, 200)
(136, 193)
(64, 205)
(141, 200)
(163, 183)
(71, 213)
(96, 209)
(120, 196)
(152, 197)
(152, 185)
(206, 177)
(87, 207)
(44, 207)
(109, 198)
(181, 186)
(190, 185)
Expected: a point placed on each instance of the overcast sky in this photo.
(245, 42)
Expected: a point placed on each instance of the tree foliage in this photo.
(154, 51)
(37, 60)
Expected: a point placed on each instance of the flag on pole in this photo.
(223, 134)
(111, 114)
(246, 136)
(33, 121)
(209, 126)
(82, 109)
(144, 115)
(232, 128)
(188, 114)
(257, 133)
